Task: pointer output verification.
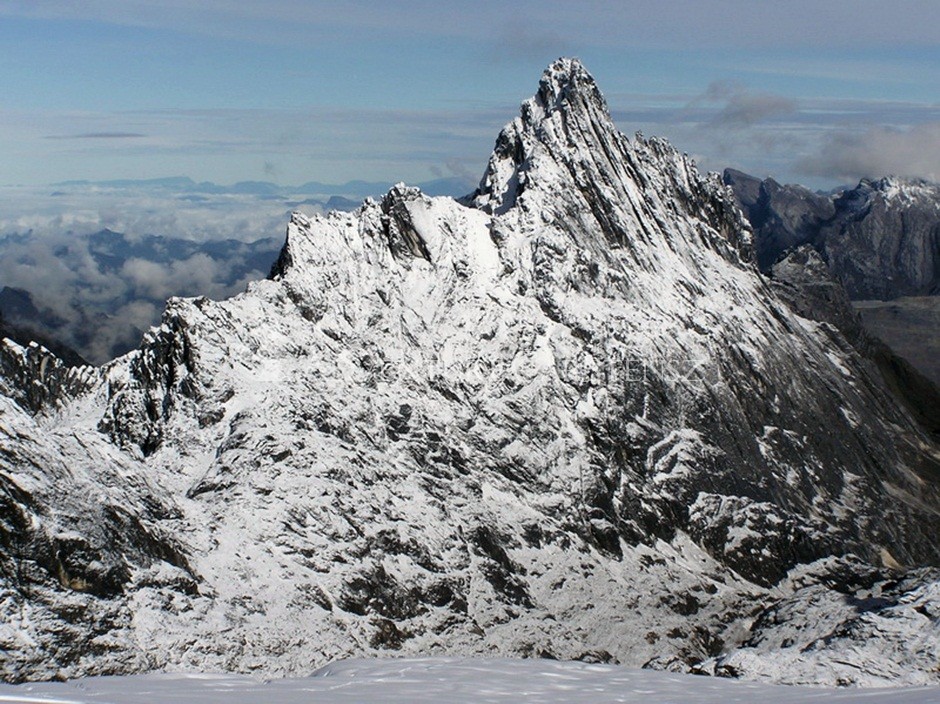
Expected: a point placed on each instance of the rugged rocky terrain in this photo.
(880, 239)
(25, 335)
(803, 280)
(566, 417)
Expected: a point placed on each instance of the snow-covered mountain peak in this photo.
(571, 421)
(564, 117)
(905, 190)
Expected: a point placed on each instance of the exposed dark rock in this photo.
(802, 279)
(909, 327)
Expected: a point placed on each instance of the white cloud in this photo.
(52, 212)
(102, 306)
(876, 152)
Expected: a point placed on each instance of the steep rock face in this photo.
(880, 239)
(80, 531)
(564, 418)
(888, 242)
(803, 280)
(782, 217)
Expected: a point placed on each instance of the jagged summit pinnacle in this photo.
(567, 115)
(564, 158)
(562, 170)
(567, 81)
(563, 167)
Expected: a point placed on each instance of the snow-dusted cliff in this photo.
(566, 417)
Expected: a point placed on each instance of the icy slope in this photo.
(565, 418)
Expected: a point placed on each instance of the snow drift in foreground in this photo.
(453, 680)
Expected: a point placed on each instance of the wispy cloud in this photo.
(355, 78)
(739, 107)
(821, 143)
(518, 39)
(288, 145)
(77, 209)
(877, 151)
(727, 124)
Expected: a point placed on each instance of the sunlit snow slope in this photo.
(455, 681)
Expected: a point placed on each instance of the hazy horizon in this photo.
(309, 91)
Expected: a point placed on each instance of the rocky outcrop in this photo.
(37, 379)
(23, 335)
(782, 217)
(889, 622)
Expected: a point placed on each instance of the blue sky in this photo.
(290, 91)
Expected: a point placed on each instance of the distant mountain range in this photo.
(881, 239)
